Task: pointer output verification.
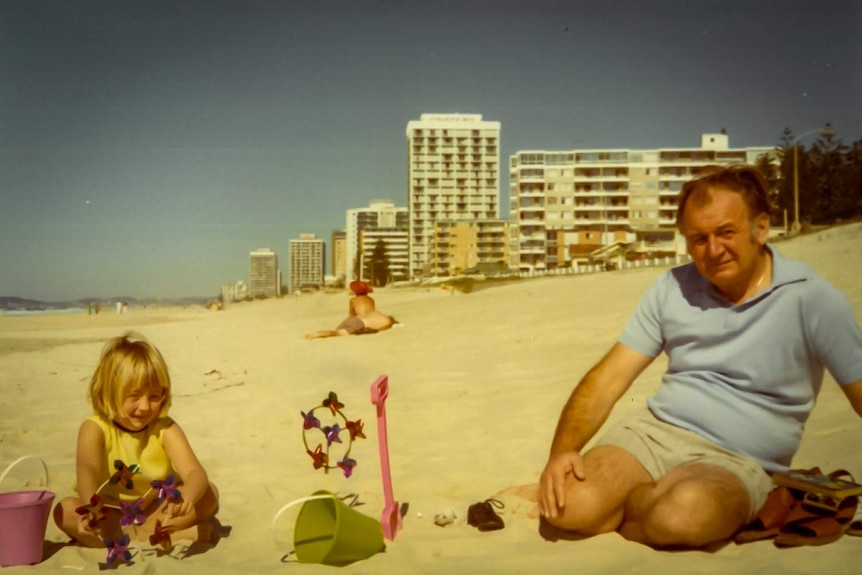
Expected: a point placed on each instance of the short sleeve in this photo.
(834, 333)
(643, 332)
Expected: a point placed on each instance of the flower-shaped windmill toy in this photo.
(133, 512)
(334, 424)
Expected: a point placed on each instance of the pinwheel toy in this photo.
(161, 536)
(124, 474)
(166, 489)
(132, 513)
(95, 511)
(118, 550)
(334, 423)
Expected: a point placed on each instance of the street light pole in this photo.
(827, 131)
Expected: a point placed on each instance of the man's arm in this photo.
(853, 391)
(584, 413)
(595, 395)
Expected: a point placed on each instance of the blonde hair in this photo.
(128, 363)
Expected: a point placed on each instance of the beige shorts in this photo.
(661, 447)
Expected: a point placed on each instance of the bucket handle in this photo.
(297, 502)
(24, 458)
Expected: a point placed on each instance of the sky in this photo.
(146, 147)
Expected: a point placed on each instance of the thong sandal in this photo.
(811, 526)
(855, 529)
(779, 503)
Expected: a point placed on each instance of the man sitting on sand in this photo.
(362, 316)
(748, 334)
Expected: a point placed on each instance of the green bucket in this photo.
(329, 532)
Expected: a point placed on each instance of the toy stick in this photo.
(390, 520)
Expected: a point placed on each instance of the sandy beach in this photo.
(476, 384)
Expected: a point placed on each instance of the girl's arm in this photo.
(91, 466)
(194, 479)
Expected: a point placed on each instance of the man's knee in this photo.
(587, 511)
(691, 514)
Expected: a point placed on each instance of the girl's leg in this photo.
(192, 526)
(75, 525)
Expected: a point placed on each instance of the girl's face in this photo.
(140, 407)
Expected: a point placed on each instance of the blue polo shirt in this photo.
(746, 376)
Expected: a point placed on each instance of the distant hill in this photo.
(13, 303)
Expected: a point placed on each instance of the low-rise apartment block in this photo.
(381, 220)
(565, 205)
(462, 246)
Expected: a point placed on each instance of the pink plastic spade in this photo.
(390, 520)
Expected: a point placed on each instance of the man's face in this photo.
(722, 239)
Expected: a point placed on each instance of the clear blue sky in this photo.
(147, 147)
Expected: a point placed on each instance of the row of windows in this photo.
(558, 158)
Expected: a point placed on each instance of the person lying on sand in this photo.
(748, 334)
(362, 316)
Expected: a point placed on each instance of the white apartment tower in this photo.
(565, 205)
(453, 165)
(307, 255)
(263, 273)
(380, 220)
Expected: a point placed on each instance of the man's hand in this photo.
(552, 483)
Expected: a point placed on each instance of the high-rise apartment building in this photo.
(564, 205)
(264, 280)
(339, 254)
(380, 220)
(453, 165)
(307, 257)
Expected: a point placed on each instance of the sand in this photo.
(476, 384)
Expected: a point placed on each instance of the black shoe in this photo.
(483, 517)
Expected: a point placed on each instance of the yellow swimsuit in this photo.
(143, 448)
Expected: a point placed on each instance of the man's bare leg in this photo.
(597, 504)
(691, 506)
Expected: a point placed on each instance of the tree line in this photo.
(829, 178)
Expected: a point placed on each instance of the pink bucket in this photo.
(23, 519)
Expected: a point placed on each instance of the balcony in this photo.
(654, 246)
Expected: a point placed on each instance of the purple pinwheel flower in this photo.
(132, 513)
(167, 489)
(346, 464)
(331, 434)
(309, 420)
(118, 550)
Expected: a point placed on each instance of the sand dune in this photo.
(476, 384)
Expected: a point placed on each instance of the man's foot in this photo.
(528, 493)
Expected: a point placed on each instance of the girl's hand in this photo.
(184, 506)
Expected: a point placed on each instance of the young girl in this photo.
(130, 392)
